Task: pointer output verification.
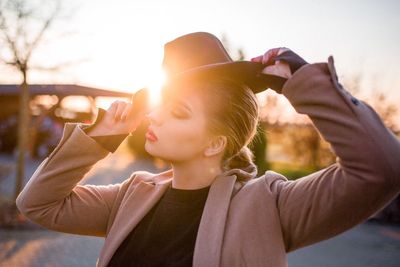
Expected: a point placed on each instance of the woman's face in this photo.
(177, 130)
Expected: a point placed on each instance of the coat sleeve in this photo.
(53, 198)
(365, 177)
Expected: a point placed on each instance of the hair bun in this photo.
(242, 160)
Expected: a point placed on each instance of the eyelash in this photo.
(175, 111)
(178, 114)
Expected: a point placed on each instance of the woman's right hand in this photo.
(122, 117)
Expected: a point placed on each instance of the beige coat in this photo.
(265, 218)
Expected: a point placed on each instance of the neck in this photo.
(195, 174)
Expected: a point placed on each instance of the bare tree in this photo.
(23, 25)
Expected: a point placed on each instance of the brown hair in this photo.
(233, 112)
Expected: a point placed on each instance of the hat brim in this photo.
(247, 72)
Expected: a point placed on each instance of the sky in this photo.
(118, 44)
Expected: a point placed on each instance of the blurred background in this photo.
(61, 60)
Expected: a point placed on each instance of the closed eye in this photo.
(179, 113)
(178, 108)
(183, 105)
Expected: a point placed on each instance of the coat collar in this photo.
(145, 195)
(136, 204)
(208, 246)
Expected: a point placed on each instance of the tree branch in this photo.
(9, 40)
(45, 26)
(58, 67)
(11, 63)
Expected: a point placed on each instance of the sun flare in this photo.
(154, 87)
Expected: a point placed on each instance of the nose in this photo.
(154, 116)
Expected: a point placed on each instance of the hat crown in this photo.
(201, 55)
(193, 50)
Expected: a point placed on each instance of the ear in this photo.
(216, 145)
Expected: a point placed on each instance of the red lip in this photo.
(151, 136)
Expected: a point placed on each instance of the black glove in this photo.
(294, 61)
(291, 58)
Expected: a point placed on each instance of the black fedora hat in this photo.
(202, 55)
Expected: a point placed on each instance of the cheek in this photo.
(179, 141)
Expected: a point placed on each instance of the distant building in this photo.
(48, 113)
(9, 94)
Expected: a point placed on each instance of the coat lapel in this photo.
(212, 225)
(132, 210)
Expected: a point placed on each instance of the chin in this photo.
(153, 151)
(149, 148)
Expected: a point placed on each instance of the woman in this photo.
(207, 210)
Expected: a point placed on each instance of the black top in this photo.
(166, 236)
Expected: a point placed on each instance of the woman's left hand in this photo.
(274, 67)
(281, 62)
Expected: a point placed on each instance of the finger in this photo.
(280, 69)
(278, 52)
(257, 59)
(268, 57)
(120, 109)
(113, 107)
(283, 49)
(126, 111)
(272, 70)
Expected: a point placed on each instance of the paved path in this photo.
(42, 248)
(369, 244)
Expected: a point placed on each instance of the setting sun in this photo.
(151, 80)
(155, 85)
